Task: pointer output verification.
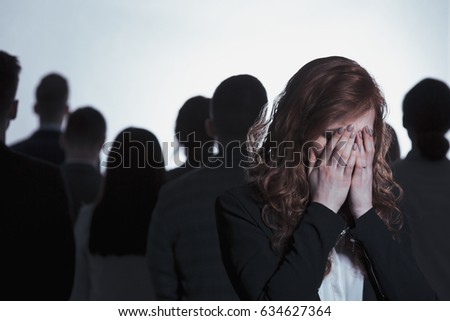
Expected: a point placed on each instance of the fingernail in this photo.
(367, 130)
(340, 130)
(350, 128)
(352, 135)
(371, 132)
(360, 134)
(355, 146)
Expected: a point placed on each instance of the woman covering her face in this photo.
(318, 219)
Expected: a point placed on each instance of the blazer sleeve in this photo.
(160, 255)
(255, 271)
(82, 282)
(392, 261)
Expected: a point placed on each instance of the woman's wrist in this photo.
(333, 207)
(360, 211)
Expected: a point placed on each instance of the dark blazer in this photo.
(178, 172)
(84, 182)
(183, 248)
(44, 144)
(257, 273)
(36, 238)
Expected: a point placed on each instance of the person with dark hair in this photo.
(111, 235)
(36, 239)
(82, 141)
(424, 176)
(51, 106)
(183, 247)
(191, 134)
(318, 218)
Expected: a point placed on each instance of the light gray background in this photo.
(138, 60)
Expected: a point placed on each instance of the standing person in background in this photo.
(82, 141)
(318, 219)
(36, 238)
(111, 235)
(183, 246)
(51, 107)
(424, 176)
(190, 131)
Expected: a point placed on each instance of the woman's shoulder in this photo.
(242, 200)
(246, 193)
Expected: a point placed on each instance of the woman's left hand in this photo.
(360, 194)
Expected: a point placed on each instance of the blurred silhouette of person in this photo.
(191, 134)
(424, 176)
(36, 238)
(111, 235)
(393, 153)
(51, 106)
(183, 247)
(82, 141)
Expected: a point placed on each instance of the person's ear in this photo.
(101, 142)
(404, 122)
(12, 113)
(13, 110)
(210, 128)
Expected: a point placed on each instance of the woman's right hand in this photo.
(330, 173)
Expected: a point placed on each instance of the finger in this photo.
(362, 152)
(335, 155)
(347, 151)
(369, 145)
(352, 160)
(312, 159)
(329, 147)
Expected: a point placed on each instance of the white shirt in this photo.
(117, 278)
(345, 281)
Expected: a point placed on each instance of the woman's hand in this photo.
(330, 174)
(360, 196)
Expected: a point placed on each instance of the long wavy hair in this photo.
(134, 175)
(323, 91)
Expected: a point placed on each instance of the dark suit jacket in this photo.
(36, 238)
(84, 182)
(183, 248)
(44, 144)
(178, 172)
(257, 273)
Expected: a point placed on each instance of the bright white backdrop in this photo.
(137, 61)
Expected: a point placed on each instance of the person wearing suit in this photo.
(183, 246)
(82, 141)
(51, 106)
(36, 238)
(190, 131)
(318, 218)
(424, 176)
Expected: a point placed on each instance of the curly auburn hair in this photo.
(321, 92)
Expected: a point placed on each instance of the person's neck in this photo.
(198, 159)
(72, 160)
(81, 158)
(50, 125)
